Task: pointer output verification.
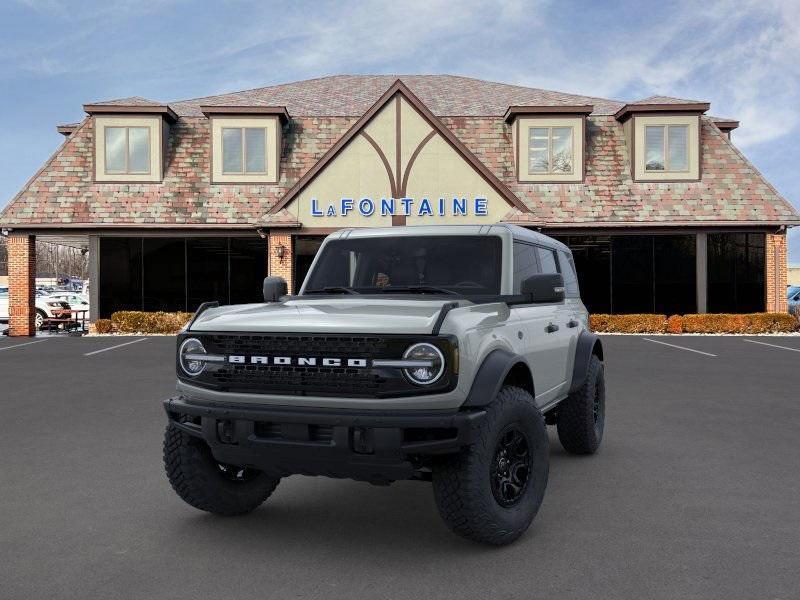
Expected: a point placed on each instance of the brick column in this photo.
(775, 273)
(21, 284)
(282, 267)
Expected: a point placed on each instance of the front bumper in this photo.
(375, 446)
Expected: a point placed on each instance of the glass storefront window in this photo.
(177, 274)
(636, 273)
(736, 272)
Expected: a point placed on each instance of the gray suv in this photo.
(429, 353)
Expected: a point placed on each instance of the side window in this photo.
(547, 260)
(525, 264)
(570, 276)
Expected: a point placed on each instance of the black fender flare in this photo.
(491, 375)
(588, 343)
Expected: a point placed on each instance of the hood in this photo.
(327, 315)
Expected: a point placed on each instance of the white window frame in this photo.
(127, 129)
(243, 129)
(550, 170)
(665, 148)
(272, 127)
(635, 133)
(521, 137)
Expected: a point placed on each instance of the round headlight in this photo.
(187, 356)
(433, 368)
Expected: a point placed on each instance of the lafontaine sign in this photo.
(421, 207)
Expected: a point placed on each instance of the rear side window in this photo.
(525, 264)
(547, 260)
(570, 276)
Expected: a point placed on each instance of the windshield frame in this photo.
(422, 291)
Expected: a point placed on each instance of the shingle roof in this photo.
(130, 101)
(352, 95)
(665, 100)
(63, 193)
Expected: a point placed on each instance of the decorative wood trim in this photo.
(399, 87)
(630, 109)
(131, 109)
(279, 111)
(412, 158)
(515, 111)
(384, 160)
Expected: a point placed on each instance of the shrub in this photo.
(628, 323)
(134, 321)
(103, 326)
(675, 324)
(706, 323)
(746, 323)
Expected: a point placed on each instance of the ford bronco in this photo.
(434, 353)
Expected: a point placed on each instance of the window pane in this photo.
(248, 268)
(525, 264)
(736, 272)
(164, 276)
(592, 256)
(547, 260)
(632, 274)
(538, 150)
(675, 274)
(678, 140)
(654, 148)
(206, 271)
(231, 150)
(115, 149)
(562, 149)
(138, 149)
(255, 151)
(120, 266)
(570, 277)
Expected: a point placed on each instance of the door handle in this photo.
(551, 328)
(572, 323)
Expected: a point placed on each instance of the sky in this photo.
(739, 55)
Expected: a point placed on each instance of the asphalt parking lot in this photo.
(695, 493)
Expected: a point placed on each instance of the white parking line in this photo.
(680, 347)
(771, 345)
(114, 347)
(20, 345)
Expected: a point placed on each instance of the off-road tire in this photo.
(581, 417)
(462, 484)
(199, 480)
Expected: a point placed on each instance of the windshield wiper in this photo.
(418, 289)
(332, 289)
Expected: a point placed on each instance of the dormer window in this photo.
(245, 143)
(127, 150)
(129, 140)
(548, 142)
(666, 148)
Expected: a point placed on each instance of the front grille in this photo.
(341, 381)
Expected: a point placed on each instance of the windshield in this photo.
(465, 265)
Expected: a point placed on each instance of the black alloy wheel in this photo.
(511, 467)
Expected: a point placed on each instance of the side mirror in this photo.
(544, 287)
(274, 288)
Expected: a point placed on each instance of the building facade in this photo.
(198, 200)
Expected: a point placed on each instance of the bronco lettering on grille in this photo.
(299, 361)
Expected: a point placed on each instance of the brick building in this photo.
(197, 200)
